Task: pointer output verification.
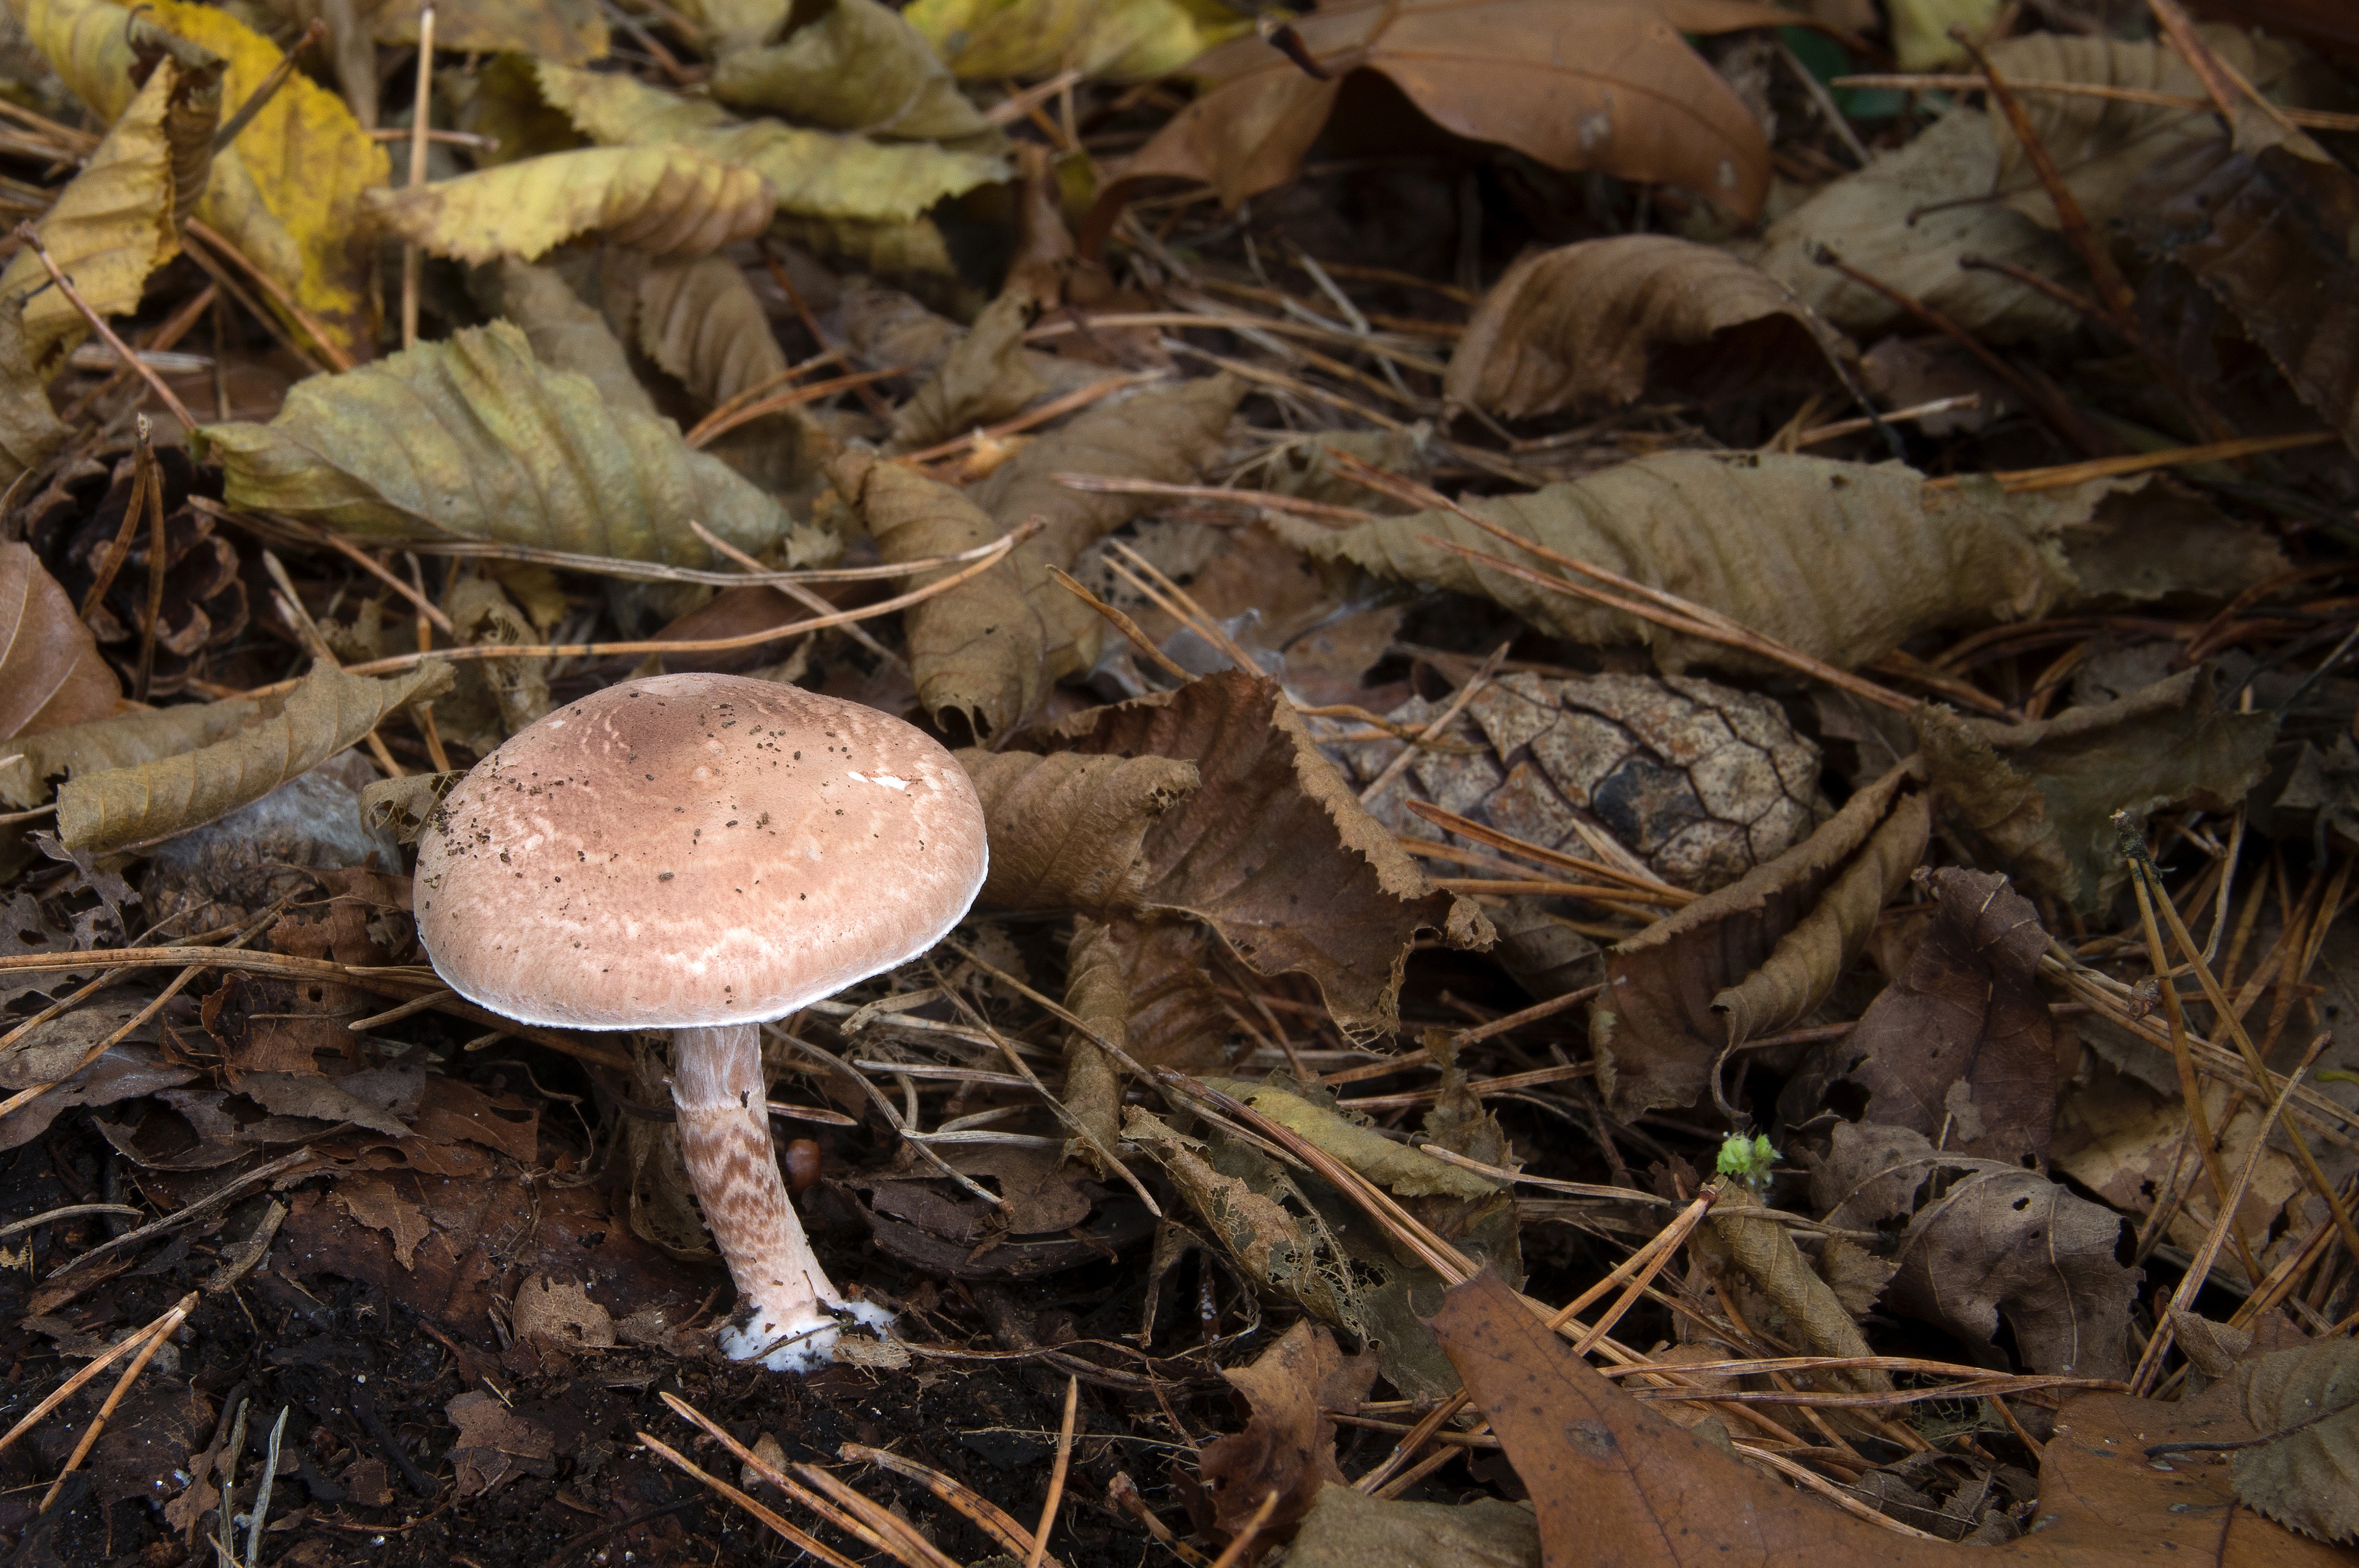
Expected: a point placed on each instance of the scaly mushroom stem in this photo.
(788, 1313)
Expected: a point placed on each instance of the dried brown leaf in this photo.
(1347, 1529)
(1613, 1481)
(566, 333)
(29, 428)
(123, 741)
(1815, 1315)
(560, 1312)
(2042, 795)
(1274, 852)
(1589, 326)
(1145, 987)
(1593, 86)
(1959, 1046)
(1289, 1444)
(51, 674)
(670, 201)
(140, 804)
(1756, 955)
(1844, 561)
(2307, 1479)
(984, 379)
(1069, 831)
(1986, 1240)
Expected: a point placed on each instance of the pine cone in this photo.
(204, 601)
(1701, 782)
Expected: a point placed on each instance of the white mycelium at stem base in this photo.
(788, 1312)
(703, 853)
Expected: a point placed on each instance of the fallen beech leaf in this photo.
(983, 379)
(287, 191)
(472, 437)
(29, 428)
(326, 712)
(1844, 561)
(1614, 1482)
(51, 674)
(1753, 955)
(1111, 40)
(1987, 1239)
(665, 200)
(1603, 84)
(985, 654)
(1144, 987)
(817, 174)
(1347, 1529)
(2266, 227)
(701, 323)
(2042, 795)
(737, 24)
(564, 32)
(860, 66)
(2307, 1479)
(1589, 326)
(1959, 1046)
(1274, 852)
(565, 332)
(1289, 1444)
(124, 740)
(1813, 1315)
(1067, 831)
(1409, 1173)
(116, 221)
(909, 251)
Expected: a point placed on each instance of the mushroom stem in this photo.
(788, 1312)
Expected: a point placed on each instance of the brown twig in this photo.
(163, 1324)
(118, 550)
(150, 1342)
(421, 114)
(800, 1540)
(1123, 623)
(1057, 1474)
(150, 624)
(336, 357)
(123, 351)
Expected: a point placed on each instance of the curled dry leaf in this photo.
(1589, 326)
(1813, 1315)
(472, 437)
(1274, 852)
(29, 428)
(1348, 1528)
(1756, 955)
(325, 713)
(666, 200)
(2042, 795)
(1288, 1445)
(1844, 561)
(114, 222)
(2308, 1478)
(1114, 40)
(815, 174)
(985, 654)
(1614, 1481)
(1987, 1239)
(1144, 987)
(1067, 831)
(51, 673)
(1959, 1046)
(566, 333)
(1603, 84)
(858, 67)
(2266, 226)
(124, 740)
(984, 378)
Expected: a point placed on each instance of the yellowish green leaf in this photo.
(326, 712)
(308, 162)
(570, 32)
(1920, 30)
(474, 437)
(820, 174)
(736, 24)
(665, 200)
(911, 249)
(123, 741)
(500, 99)
(566, 333)
(29, 428)
(112, 224)
(1411, 1172)
(859, 66)
(51, 674)
(1117, 40)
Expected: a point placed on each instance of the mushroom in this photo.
(703, 853)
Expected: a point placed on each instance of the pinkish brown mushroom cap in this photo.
(695, 849)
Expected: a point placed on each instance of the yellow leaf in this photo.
(666, 200)
(736, 24)
(113, 225)
(1119, 41)
(88, 43)
(817, 174)
(1920, 30)
(310, 161)
(570, 32)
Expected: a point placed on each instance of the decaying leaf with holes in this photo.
(2042, 795)
(1273, 851)
(328, 712)
(1959, 1046)
(666, 200)
(1754, 955)
(1589, 326)
(471, 437)
(1700, 781)
(1986, 1239)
